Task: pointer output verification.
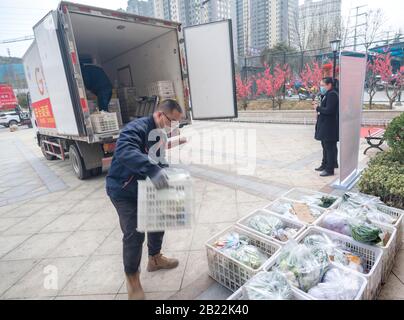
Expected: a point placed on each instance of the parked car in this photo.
(16, 117)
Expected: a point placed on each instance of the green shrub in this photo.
(385, 179)
(395, 136)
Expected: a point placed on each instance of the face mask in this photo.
(323, 90)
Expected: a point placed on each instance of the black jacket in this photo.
(131, 161)
(327, 126)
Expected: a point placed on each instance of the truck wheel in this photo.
(13, 123)
(96, 171)
(78, 163)
(47, 156)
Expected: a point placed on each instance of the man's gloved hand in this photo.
(160, 180)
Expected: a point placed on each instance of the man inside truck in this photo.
(132, 162)
(96, 80)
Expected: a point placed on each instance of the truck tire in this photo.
(12, 123)
(77, 163)
(47, 156)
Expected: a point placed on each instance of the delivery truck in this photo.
(137, 53)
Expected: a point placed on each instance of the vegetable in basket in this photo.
(300, 266)
(366, 233)
(271, 226)
(267, 286)
(326, 202)
(337, 285)
(249, 255)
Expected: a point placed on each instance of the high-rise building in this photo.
(263, 24)
(319, 23)
(141, 7)
(188, 12)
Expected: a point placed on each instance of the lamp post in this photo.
(335, 46)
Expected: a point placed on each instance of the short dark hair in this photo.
(169, 105)
(333, 82)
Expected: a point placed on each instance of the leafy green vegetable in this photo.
(366, 233)
(327, 202)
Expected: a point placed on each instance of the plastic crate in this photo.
(389, 250)
(363, 282)
(273, 207)
(104, 122)
(396, 213)
(166, 209)
(371, 256)
(298, 194)
(297, 294)
(299, 226)
(162, 89)
(230, 272)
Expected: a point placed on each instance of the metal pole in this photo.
(335, 65)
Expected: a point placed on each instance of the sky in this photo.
(18, 16)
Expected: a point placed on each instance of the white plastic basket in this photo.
(230, 272)
(299, 226)
(389, 250)
(273, 207)
(398, 214)
(362, 279)
(297, 294)
(298, 194)
(371, 256)
(165, 209)
(104, 122)
(163, 89)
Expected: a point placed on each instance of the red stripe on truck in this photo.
(83, 103)
(74, 57)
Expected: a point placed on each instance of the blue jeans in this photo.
(132, 239)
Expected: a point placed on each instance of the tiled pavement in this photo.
(70, 229)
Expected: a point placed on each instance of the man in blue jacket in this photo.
(131, 162)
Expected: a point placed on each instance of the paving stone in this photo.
(66, 223)
(80, 243)
(46, 279)
(392, 290)
(37, 246)
(191, 274)
(11, 272)
(8, 243)
(30, 225)
(99, 275)
(6, 223)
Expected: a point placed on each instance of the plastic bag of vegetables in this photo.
(265, 224)
(229, 241)
(338, 222)
(300, 265)
(267, 286)
(337, 285)
(375, 215)
(366, 232)
(248, 255)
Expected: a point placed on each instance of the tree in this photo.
(374, 23)
(243, 90)
(371, 82)
(384, 68)
(312, 75)
(271, 83)
(280, 50)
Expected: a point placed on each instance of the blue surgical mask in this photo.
(323, 90)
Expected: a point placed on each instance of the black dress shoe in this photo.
(321, 168)
(326, 174)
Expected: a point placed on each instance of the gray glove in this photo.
(160, 180)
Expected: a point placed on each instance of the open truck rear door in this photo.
(210, 59)
(50, 46)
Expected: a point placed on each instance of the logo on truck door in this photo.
(40, 81)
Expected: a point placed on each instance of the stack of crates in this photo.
(128, 103)
(114, 106)
(162, 89)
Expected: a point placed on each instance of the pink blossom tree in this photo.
(243, 90)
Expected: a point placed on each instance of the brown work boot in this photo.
(134, 287)
(159, 261)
